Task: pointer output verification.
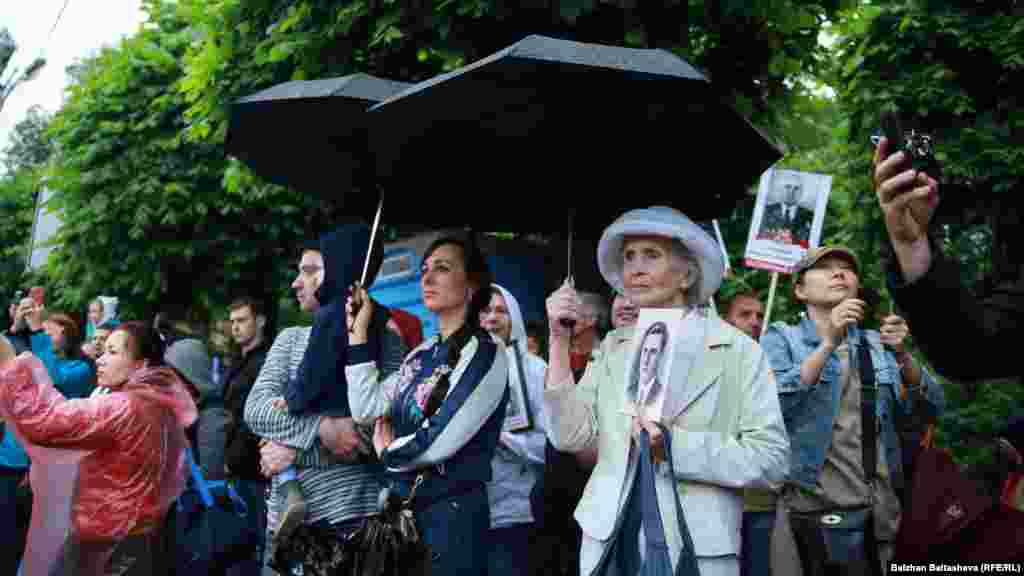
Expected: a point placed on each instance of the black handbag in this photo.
(842, 540)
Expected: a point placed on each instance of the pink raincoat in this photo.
(104, 467)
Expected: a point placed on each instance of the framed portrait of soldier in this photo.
(788, 217)
(649, 363)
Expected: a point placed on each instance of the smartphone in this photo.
(892, 129)
(916, 146)
(37, 293)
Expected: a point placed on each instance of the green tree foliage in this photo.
(952, 67)
(17, 193)
(29, 144)
(153, 209)
(753, 53)
(146, 215)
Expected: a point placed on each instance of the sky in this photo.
(85, 26)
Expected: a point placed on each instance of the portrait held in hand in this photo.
(788, 217)
(650, 364)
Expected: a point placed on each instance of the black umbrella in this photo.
(549, 125)
(309, 134)
(547, 128)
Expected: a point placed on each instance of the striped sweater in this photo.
(333, 493)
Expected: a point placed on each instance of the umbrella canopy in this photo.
(555, 124)
(308, 134)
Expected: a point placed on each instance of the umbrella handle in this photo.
(569, 323)
(357, 302)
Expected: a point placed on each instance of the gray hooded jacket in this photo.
(519, 458)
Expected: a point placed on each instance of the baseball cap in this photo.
(814, 256)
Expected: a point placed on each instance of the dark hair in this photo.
(255, 305)
(72, 335)
(479, 274)
(143, 342)
(728, 302)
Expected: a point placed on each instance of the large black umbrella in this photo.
(308, 134)
(547, 125)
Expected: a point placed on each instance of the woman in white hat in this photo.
(724, 420)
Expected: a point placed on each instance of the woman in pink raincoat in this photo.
(130, 438)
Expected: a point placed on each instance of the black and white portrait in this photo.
(645, 388)
(787, 216)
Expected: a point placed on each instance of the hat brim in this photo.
(668, 223)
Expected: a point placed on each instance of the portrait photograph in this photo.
(517, 412)
(788, 217)
(650, 362)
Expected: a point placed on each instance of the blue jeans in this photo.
(455, 528)
(508, 550)
(254, 492)
(756, 547)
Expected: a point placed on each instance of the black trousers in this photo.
(15, 512)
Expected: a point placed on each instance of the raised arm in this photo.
(987, 331)
(46, 418)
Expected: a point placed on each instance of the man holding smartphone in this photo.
(974, 337)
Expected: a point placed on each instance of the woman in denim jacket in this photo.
(813, 368)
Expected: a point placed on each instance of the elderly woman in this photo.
(133, 444)
(441, 414)
(725, 424)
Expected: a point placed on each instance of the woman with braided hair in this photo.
(439, 417)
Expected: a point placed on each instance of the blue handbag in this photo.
(212, 528)
(657, 559)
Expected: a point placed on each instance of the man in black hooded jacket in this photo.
(319, 386)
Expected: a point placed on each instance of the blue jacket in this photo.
(810, 411)
(74, 378)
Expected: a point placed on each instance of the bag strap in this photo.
(868, 410)
(654, 530)
(197, 476)
(869, 441)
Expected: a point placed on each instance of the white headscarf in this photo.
(517, 342)
(515, 314)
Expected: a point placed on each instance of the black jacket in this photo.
(242, 451)
(320, 386)
(965, 337)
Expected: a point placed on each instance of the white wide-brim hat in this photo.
(667, 222)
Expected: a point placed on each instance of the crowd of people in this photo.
(510, 439)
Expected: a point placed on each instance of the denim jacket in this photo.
(810, 411)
